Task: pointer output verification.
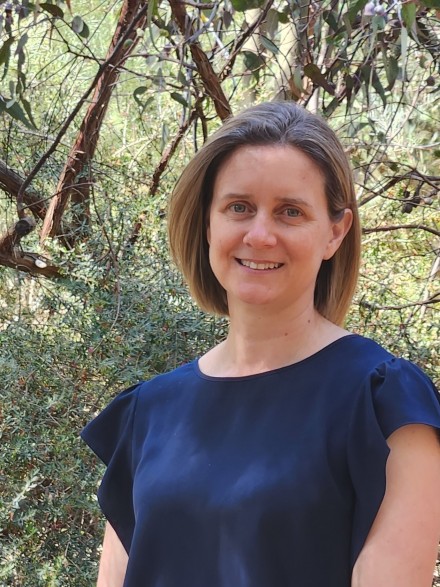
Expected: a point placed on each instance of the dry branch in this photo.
(401, 226)
(210, 80)
(12, 256)
(11, 182)
(162, 165)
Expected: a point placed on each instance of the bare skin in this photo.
(114, 559)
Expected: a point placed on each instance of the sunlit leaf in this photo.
(409, 10)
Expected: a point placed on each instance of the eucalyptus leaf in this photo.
(139, 92)
(77, 25)
(269, 45)
(52, 9)
(15, 111)
(28, 110)
(179, 98)
(242, 5)
(431, 3)
(355, 8)
(409, 10)
(85, 33)
(312, 71)
(5, 50)
(21, 43)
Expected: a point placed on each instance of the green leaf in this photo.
(27, 107)
(391, 69)
(377, 85)
(139, 92)
(21, 43)
(312, 71)
(242, 5)
(52, 9)
(331, 18)
(269, 45)
(409, 10)
(328, 110)
(356, 7)
(378, 23)
(5, 50)
(77, 25)
(272, 23)
(85, 33)
(179, 98)
(15, 111)
(253, 63)
(431, 3)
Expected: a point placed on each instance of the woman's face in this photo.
(269, 228)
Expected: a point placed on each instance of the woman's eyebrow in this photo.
(284, 200)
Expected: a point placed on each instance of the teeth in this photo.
(253, 265)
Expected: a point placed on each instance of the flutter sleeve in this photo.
(110, 436)
(397, 393)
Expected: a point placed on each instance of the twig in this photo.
(400, 226)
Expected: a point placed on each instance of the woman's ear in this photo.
(338, 231)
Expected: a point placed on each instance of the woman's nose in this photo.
(260, 233)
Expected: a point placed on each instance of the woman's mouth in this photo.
(259, 266)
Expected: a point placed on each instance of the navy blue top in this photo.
(268, 480)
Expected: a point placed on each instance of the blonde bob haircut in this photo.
(272, 124)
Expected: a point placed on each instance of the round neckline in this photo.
(297, 364)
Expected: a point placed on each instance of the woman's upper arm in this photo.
(401, 546)
(114, 559)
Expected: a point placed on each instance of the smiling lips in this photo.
(259, 266)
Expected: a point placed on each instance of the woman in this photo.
(293, 453)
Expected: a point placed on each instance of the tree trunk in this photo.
(83, 149)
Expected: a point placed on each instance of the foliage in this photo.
(119, 312)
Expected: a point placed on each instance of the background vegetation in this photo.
(101, 104)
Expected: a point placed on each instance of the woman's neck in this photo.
(259, 342)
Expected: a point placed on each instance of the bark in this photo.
(12, 256)
(83, 150)
(10, 182)
(209, 78)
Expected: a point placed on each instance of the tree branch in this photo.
(162, 165)
(209, 78)
(241, 40)
(400, 226)
(131, 17)
(12, 256)
(435, 299)
(11, 182)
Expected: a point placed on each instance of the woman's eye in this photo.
(292, 212)
(238, 208)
